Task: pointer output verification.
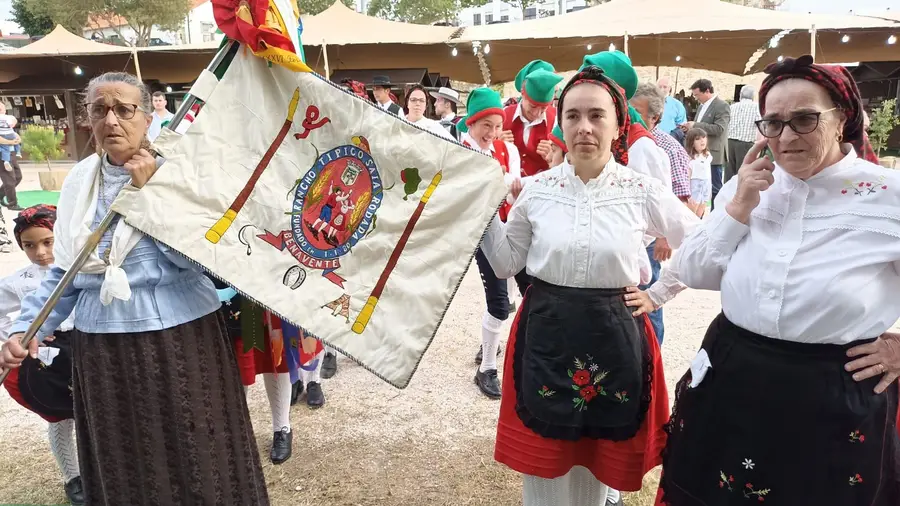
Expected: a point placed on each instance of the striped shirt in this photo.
(678, 159)
(743, 116)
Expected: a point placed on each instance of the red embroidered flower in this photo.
(582, 378)
(884, 187)
(731, 479)
(844, 192)
(861, 185)
(721, 484)
(588, 393)
(868, 184)
(761, 499)
(862, 439)
(859, 478)
(749, 485)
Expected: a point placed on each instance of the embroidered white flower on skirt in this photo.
(748, 464)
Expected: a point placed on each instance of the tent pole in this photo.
(325, 53)
(812, 42)
(137, 64)
(658, 49)
(626, 44)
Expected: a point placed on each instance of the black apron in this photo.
(582, 364)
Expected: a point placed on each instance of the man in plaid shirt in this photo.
(742, 130)
(649, 102)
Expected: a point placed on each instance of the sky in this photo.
(823, 6)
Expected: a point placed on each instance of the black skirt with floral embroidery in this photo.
(582, 364)
(780, 423)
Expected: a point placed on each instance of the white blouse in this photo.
(14, 288)
(819, 262)
(433, 127)
(569, 233)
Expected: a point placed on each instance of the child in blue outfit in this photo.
(7, 151)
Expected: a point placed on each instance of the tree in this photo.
(759, 4)
(141, 15)
(42, 143)
(421, 11)
(31, 23)
(314, 7)
(882, 123)
(524, 4)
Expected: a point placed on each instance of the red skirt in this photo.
(12, 386)
(256, 362)
(618, 464)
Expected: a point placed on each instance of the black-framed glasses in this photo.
(802, 124)
(122, 111)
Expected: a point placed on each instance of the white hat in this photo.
(447, 93)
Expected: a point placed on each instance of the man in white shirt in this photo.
(381, 89)
(445, 102)
(160, 116)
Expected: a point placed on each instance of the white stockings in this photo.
(62, 444)
(577, 488)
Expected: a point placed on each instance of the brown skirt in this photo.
(161, 418)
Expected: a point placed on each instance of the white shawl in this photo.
(75, 215)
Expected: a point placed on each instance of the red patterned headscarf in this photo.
(41, 215)
(840, 86)
(356, 87)
(594, 75)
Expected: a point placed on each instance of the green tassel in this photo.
(252, 326)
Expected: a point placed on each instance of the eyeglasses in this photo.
(801, 123)
(417, 101)
(122, 111)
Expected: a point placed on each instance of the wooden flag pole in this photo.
(94, 239)
(362, 319)
(215, 233)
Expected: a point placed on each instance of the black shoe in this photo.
(296, 392)
(281, 446)
(329, 366)
(315, 398)
(480, 356)
(75, 491)
(15, 207)
(488, 384)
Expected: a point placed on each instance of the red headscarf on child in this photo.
(41, 215)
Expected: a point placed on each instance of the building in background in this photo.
(501, 12)
(198, 27)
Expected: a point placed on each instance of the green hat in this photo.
(540, 86)
(557, 137)
(481, 102)
(531, 67)
(617, 66)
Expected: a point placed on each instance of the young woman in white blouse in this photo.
(792, 399)
(584, 397)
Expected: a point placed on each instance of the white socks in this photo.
(316, 375)
(577, 488)
(278, 388)
(490, 340)
(62, 445)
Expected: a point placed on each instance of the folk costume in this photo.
(152, 364)
(483, 102)
(644, 156)
(43, 385)
(584, 396)
(767, 411)
(538, 87)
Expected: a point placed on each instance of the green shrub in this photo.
(42, 143)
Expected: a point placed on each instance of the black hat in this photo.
(383, 81)
(46, 389)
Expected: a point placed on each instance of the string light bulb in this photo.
(780, 58)
(589, 47)
(678, 58)
(487, 48)
(454, 52)
(612, 47)
(845, 39)
(892, 39)
(168, 89)
(78, 71)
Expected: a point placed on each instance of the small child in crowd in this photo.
(701, 169)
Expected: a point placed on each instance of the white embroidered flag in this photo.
(341, 218)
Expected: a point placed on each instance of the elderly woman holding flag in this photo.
(160, 413)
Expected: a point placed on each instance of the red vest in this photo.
(637, 131)
(532, 162)
(501, 155)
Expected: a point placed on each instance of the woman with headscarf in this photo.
(42, 385)
(160, 413)
(793, 396)
(584, 397)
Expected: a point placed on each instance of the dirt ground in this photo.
(430, 444)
